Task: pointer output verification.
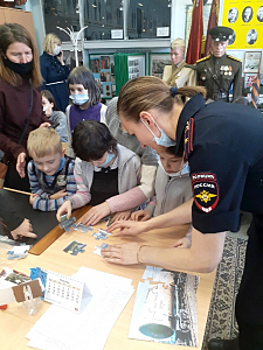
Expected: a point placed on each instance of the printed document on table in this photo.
(60, 329)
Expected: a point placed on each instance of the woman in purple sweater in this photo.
(20, 100)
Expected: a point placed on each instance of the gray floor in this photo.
(245, 222)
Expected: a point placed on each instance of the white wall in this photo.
(35, 7)
(179, 18)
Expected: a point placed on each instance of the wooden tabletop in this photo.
(15, 321)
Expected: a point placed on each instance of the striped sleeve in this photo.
(71, 182)
(34, 187)
(43, 203)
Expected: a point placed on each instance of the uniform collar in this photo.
(190, 109)
(219, 58)
(179, 65)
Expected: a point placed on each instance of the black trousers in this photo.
(249, 302)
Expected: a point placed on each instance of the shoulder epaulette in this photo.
(203, 59)
(234, 58)
(190, 66)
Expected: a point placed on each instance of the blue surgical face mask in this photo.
(183, 171)
(45, 108)
(108, 159)
(163, 140)
(79, 99)
(57, 50)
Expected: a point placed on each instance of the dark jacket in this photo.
(218, 74)
(14, 111)
(56, 75)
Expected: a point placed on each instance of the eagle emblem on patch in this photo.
(62, 180)
(205, 190)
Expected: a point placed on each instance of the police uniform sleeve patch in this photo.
(205, 191)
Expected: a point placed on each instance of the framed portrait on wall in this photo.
(252, 61)
(157, 62)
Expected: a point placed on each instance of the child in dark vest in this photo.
(107, 175)
(51, 173)
(85, 96)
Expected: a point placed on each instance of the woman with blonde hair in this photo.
(20, 100)
(54, 71)
(223, 145)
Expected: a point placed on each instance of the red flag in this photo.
(255, 91)
(213, 22)
(196, 33)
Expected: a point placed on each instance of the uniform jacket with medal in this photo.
(217, 74)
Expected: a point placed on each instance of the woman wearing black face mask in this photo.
(20, 100)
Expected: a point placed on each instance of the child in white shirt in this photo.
(172, 188)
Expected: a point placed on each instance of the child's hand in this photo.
(32, 198)
(182, 243)
(95, 214)
(141, 215)
(64, 209)
(122, 215)
(24, 230)
(59, 194)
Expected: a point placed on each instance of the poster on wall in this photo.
(249, 79)
(246, 20)
(157, 62)
(102, 67)
(252, 60)
(136, 66)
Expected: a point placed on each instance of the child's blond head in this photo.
(43, 142)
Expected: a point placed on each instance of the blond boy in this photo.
(50, 172)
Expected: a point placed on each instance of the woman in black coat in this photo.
(54, 71)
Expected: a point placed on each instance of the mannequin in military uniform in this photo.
(178, 74)
(219, 71)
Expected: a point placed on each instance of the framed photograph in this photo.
(102, 67)
(136, 65)
(107, 91)
(157, 62)
(252, 61)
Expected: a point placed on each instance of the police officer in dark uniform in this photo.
(225, 155)
(226, 164)
(219, 71)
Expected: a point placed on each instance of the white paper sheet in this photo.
(60, 329)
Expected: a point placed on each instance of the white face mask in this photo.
(79, 99)
(183, 171)
(57, 50)
(45, 108)
(163, 140)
